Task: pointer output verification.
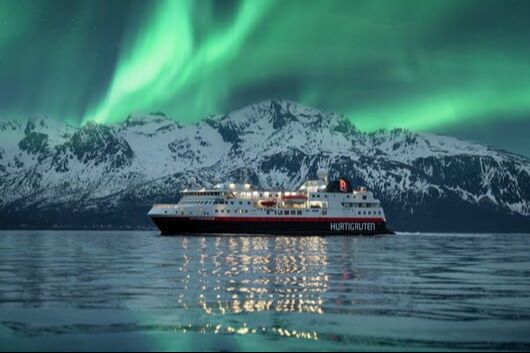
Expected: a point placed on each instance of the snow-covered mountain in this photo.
(53, 174)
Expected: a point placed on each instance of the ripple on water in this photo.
(137, 290)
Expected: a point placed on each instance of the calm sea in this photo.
(140, 291)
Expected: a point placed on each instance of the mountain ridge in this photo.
(109, 175)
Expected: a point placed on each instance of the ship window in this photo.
(293, 213)
(165, 211)
(299, 212)
(268, 212)
(222, 211)
(324, 213)
(231, 202)
(240, 202)
(248, 203)
(364, 197)
(216, 211)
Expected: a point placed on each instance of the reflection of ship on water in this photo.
(266, 276)
(261, 274)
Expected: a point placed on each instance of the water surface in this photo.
(139, 291)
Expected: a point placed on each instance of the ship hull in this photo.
(315, 226)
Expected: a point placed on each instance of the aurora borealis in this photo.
(459, 67)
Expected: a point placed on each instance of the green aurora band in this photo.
(423, 65)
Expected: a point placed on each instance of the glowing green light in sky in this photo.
(424, 65)
(325, 46)
(166, 59)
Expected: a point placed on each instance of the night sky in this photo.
(455, 67)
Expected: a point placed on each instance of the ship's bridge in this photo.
(313, 186)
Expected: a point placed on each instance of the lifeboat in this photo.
(267, 203)
(294, 199)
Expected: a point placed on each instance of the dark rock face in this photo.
(98, 144)
(34, 142)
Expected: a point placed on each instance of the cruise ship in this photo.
(318, 207)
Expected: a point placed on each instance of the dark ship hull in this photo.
(169, 225)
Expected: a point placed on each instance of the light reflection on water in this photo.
(136, 290)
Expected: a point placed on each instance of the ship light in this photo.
(247, 186)
(266, 194)
(232, 185)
